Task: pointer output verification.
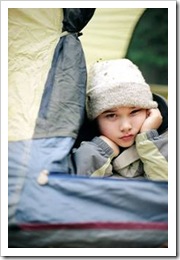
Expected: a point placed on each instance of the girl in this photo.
(132, 127)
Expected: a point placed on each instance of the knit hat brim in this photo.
(101, 99)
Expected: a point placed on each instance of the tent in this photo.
(48, 206)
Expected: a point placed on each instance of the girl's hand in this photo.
(113, 145)
(153, 120)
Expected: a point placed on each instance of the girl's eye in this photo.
(111, 116)
(134, 112)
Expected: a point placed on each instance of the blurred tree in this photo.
(148, 46)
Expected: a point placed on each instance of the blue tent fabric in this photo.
(62, 107)
(33, 156)
(78, 211)
(67, 210)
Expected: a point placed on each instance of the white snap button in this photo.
(43, 177)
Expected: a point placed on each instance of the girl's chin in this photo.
(125, 144)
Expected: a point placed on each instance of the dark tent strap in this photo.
(75, 19)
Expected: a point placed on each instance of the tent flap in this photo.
(94, 212)
(63, 101)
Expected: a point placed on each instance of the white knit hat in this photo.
(116, 83)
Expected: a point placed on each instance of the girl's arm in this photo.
(94, 158)
(153, 152)
(152, 147)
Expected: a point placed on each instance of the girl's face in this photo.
(121, 125)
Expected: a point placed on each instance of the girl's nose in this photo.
(125, 125)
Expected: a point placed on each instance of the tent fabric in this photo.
(32, 37)
(75, 19)
(108, 34)
(26, 155)
(60, 115)
(101, 238)
(73, 211)
(47, 81)
(63, 102)
(31, 157)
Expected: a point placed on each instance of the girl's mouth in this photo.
(127, 138)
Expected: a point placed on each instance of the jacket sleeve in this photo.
(93, 158)
(153, 152)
